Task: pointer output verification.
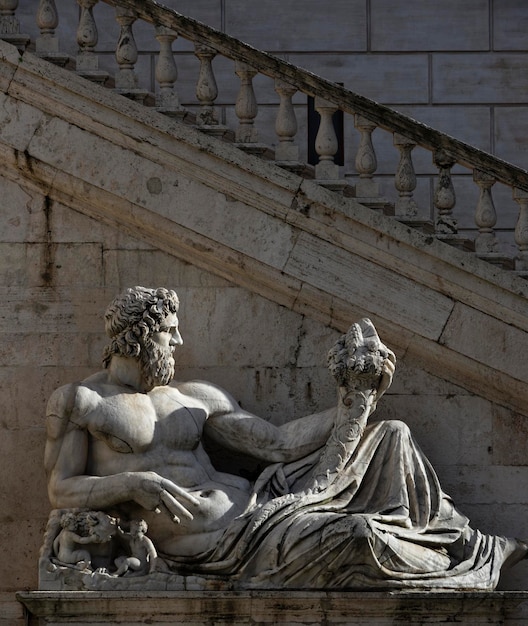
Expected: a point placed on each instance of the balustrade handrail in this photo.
(311, 84)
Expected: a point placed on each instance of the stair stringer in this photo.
(263, 228)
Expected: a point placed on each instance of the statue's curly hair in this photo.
(134, 314)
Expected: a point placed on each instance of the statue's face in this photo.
(168, 335)
(157, 362)
(138, 528)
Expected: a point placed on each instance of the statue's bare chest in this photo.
(130, 422)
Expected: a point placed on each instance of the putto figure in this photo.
(340, 504)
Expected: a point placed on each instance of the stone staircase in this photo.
(447, 153)
(331, 248)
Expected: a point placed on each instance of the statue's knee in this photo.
(397, 427)
(362, 530)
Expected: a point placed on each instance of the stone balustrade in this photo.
(368, 116)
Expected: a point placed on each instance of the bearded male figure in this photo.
(341, 504)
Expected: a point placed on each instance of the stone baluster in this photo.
(166, 73)
(521, 232)
(444, 196)
(366, 162)
(326, 146)
(287, 152)
(47, 45)
(207, 92)
(246, 109)
(126, 81)
(485, 216)
(87, 37)
(326, 140)
(405, 179)
(10, 26)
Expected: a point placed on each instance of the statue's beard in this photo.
(157, 364)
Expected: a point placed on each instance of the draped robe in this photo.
(382, 523)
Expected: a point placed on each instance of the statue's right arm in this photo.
(66, 457)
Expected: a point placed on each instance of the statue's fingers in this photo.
(384, 384)
(174, 490)
(175, 508)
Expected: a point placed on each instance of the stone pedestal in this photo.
(270, 608)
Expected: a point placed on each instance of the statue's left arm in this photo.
(234, 428)
(229, 425)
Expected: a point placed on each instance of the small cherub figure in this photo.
(83, 527)
(143, 555)
(65, 544)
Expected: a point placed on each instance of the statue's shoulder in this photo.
(75, 397)
(62, 400)
(208, 394)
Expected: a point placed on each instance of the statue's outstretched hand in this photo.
(158, 494)
(389, 367)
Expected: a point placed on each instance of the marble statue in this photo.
(340, 504)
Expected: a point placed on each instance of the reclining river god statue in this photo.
(340, 503)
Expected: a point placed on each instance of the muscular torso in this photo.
(160, 432)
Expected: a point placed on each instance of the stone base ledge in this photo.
(278, 608)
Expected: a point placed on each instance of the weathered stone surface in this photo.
(466, 326)
(510, 438)
(11, 611)
(493, 79)
(427, 25)
(379, 77)
(205, 609)
(306, 261)
(345, 31)
(23, 217)
(19, 122)
(509, 26)
(468, 123)
(465, 441)
(510, 128)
